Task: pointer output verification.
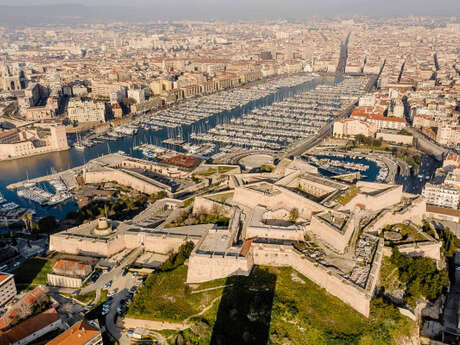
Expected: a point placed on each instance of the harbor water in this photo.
(37, 166)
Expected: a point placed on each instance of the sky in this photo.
(249, 9)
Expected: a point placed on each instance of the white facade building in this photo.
(86, 111)
(441, 195)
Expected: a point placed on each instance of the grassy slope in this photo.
(32, 273)
(164, 297)
(301, 313)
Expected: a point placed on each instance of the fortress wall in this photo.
(121, 178)
(430, 250)
(163, 244)
(289, 200)
(354, 296)
(206, 205)
(315, 188)
(248, 197)
(75, 245)
(414, 213)
(334, 238)
(204, 267)
(376, 202)
(270, 232)
(282, 199)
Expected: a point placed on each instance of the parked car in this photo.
(107, 285)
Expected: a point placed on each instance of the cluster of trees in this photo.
(115, 208)
(421, 277)
(449, 241)
(215, 216)
(361, 139)
(177, 259)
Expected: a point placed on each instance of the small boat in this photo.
(79, 147)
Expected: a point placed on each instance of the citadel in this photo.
(287, 217)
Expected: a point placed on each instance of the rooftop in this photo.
(29, 326)
(78, 334)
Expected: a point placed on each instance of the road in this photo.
(426, 144)
(123, 284)
(115, 273)
(325, 132)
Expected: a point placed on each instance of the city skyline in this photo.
(232, 10)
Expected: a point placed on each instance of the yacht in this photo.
(58, 198)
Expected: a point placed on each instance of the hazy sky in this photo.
(265, 8)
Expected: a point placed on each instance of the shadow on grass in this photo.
(27, 272)
(244, 312)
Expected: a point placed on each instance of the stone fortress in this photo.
(289, 217)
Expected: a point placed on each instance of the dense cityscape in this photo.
(218, 182)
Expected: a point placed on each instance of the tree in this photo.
(293, 215)
(26, 222)
(128, 101)
(421, 277)
(47, 224)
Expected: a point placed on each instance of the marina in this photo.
(148, 132)
(275, 126)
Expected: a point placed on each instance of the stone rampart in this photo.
(356, 297)
(206, 205)
(206, 267)
(430, 250)
(91, 246)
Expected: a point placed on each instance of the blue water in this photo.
(37, 166)
(370, 174)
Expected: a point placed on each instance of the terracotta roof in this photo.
(8, 133)
(68, 265)
(246, 246)
(78, 334)
(12, 316)
(4, 276)
(443, 210)
(182, 161)
(29, 326)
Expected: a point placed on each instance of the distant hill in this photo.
(62, 14)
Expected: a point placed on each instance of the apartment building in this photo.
(351, 127)
(441, 195)
(7, 288)
(86, 110)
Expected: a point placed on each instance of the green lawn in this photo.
(32, 273)
(87, 297)
(409, 233)
(208, 172)
(189, 202)
(269, 307)
(165, 297)
(223, 170)
(346, 197)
